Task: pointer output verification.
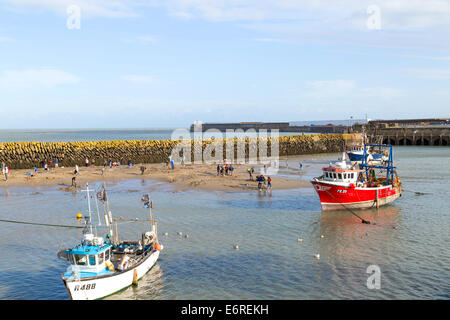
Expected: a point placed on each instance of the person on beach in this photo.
(103, 171)
(218, 170)
(269, 183)
(45, 167)
(76, 170)
(86, 162)
(74, 183)
(301, 165)
(182, 160)
(104, 163)
(260, 180)
(6, 173)
(56, 162)
(143, 169)
(250, 173)
(172, 163)
(110, 163)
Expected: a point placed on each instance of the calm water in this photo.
(56, 135)
(410, 241)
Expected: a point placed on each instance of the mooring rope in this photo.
(41, 224)
(362, 220)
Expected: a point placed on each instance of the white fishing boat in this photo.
(100, 267)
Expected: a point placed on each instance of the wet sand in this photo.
(188, 177)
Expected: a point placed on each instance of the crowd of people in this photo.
(225, 170)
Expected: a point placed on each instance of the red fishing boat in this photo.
(343, 186)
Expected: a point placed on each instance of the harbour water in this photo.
(409, 241)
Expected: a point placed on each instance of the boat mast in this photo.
(89, 206)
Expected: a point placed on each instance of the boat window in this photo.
(80, 259)
(107, 255)
(92, 260)
(334, 175)
(101, 258)
(345, 176)
(340, 176)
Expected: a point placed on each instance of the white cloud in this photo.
(140, 79)
(147, 39)
(144, 39)
(346, 89)
(89, 8)
(6, 39)
(435, 74)
(36, 78)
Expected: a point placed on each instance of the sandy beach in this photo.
(188, 177)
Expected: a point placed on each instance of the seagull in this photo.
(179, 233)
(299, 239)
(317, 256)
(236, 247)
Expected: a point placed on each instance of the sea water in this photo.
(408, 240)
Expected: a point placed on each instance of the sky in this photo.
(166, 64)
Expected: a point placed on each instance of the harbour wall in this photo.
(26, 155)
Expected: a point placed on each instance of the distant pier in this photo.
(417, 132)
(280, 126)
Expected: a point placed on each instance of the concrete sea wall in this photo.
(25, 155)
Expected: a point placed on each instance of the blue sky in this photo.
(150, 63)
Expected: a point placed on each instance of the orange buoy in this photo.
(158, 247)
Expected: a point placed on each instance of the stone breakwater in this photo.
(25, 155)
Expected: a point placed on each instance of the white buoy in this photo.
(166, 234)
(317, 256)
(236, 247)
(322, 236)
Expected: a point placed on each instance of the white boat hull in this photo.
(102, 286)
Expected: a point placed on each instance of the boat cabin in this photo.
(341, 175)
(91, 256)
(357, 149)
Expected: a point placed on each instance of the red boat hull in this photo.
(334, 197)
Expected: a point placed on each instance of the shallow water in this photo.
(409, 241)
